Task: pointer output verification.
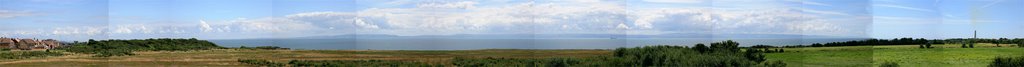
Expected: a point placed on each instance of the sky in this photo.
(245, 19)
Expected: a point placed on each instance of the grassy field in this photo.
(947, 55)
(229, 57)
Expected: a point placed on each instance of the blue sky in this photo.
(242, 19)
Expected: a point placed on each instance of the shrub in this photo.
(1007, 62)
(263, 63)
(890, 64)
(27, 54)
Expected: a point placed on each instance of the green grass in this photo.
(949, 55)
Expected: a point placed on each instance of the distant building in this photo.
(28, 44)
(7, 42)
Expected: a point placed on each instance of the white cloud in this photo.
(79, 31)
(205, 27)
(902, 7)
(810, 2)
(824, 12)
(460, 5)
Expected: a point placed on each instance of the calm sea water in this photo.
(469, 44)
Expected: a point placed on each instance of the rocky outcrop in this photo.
(28, 44)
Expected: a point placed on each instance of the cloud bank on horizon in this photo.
(240, 19)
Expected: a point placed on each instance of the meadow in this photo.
(944, 55)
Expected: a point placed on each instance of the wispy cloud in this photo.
(903, 7)
(13, 14)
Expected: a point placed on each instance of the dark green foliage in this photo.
(929, 44)
(516, 62)
(5, 49)
(1020, 44)
(358, 63)
(971, 45)
(722, 54)
(963, 45)
(727, 45)
(890, 64)
(701, 48)
(1007, 62)
(264, 48)
(106, 48)
(27, 54)
(263, 63)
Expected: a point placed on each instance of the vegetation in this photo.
(890, 64)
(27, 54)
(1008, 62)
(263, 63)
(719, 54)
(966, 43)
(106, 48)
(264, 48)
(338, 63)
(944, 55)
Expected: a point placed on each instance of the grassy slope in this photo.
(949, 55)
(228, 57)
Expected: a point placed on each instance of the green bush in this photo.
(263, 63)
(890, 64)
(1007, 62)
(27, 54)
(522, 62)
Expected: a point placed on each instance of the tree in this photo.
(701, 48)
(727, 45)
(963, 44)
(971, 45)
(921, 45)
(1001, 40)
(1020, 44)
(928, 44)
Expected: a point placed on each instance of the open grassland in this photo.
(945, 55)
(229, 57)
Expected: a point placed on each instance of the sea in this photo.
(475, 44)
